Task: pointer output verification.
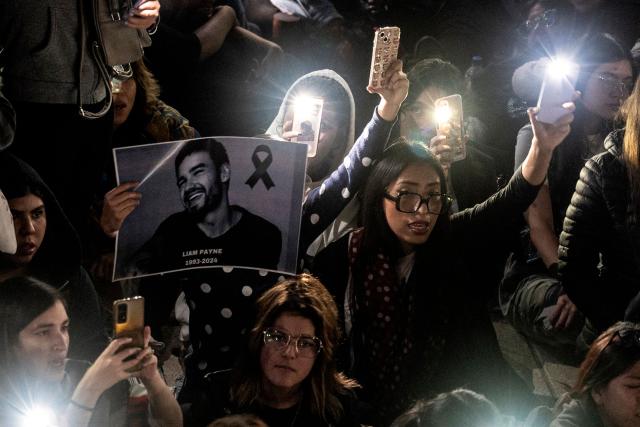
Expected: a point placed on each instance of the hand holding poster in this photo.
(223, 202)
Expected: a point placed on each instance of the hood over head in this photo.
(340, 100)
(60, 253)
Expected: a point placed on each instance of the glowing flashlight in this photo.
(305, 106)
(560, 67)
(443, 112)
(39, 416)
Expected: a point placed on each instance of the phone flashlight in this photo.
(39, 416)
(304, 106)
(443, 113)
(560, 68)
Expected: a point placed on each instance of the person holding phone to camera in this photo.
(341, 163)
(470, 172)
(532, 295)
(405, 288)
(39, 380)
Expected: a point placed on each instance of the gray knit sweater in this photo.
(42, 46)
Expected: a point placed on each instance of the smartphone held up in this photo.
(386, 42)
(557, 89)
(128, 322)
(450, 122)
(307, 117)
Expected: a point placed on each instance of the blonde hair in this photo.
(630, 112)
(303, 295)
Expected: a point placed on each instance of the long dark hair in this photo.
(595, 50)
(22, 299)
(377, 233)
(303, 295)
(613, 353)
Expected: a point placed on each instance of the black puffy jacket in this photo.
(600, 243)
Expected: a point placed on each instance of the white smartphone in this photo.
(557, 89)
(386, 42)
(307, 117)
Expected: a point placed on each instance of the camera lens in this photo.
(122, 313)
(382, 35)
(386, 39)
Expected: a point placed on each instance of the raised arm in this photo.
(111, 367)
(324, 203)
(523, 187)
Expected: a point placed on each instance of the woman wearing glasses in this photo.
(400, 280)
(532, 297)
(607, 393)
(288, 375)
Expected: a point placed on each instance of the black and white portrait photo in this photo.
(211, 203)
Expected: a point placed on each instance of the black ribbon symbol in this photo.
(261, 168)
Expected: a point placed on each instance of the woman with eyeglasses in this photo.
(400, 280)
(532, 297)
(288, 375)
(599, 245)
(607, 392)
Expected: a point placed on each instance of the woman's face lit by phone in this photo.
(331, 148)
(604, 92)
(43, 344)
(419, 118)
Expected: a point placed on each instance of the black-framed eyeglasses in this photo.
(305, 346)
(547, 19)
(408, 202)
(612, 83)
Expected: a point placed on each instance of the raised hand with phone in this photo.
(393, 91)
(449, 144)
(128, 355)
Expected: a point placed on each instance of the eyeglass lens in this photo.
(612, 83)
(411, 202)
(305, 346)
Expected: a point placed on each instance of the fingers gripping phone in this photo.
(557, 89)
(450, 122)
(128, 322)
(385, 50)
